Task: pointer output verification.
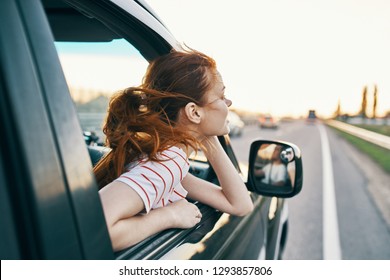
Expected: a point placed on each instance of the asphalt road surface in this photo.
(340, 212)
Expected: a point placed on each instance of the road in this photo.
(338, 214)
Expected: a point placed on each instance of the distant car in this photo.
(311, 117)
(236, 125)
(268, 121)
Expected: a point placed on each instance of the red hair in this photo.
(141, 121)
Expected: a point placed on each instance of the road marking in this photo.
(331, 237)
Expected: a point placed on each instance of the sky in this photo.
(289, 56)
(282, 57)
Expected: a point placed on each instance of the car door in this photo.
(54, 210)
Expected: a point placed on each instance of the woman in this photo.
(275, 172)
(151, 130)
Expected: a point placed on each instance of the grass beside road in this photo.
(378, 154)
(382, 129)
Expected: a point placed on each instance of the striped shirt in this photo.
(158, 183)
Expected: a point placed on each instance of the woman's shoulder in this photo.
(174, 152)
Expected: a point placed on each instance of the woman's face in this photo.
(216, 109)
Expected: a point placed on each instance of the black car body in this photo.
(311, 117)
(50, 207)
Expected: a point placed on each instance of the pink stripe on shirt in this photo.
(151, 183)
(165, 184)
(140, 188)
(185, 160)
(179, 194)
(173, 178)
(178, 166)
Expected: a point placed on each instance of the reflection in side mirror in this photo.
(275, 168)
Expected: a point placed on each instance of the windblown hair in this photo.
(141, 121)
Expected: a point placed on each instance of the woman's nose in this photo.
(228, 102)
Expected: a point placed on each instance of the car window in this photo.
(94, 71)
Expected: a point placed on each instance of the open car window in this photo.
(100, 59)
(94, 71)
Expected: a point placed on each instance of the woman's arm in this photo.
(232, 197)
(122, 205)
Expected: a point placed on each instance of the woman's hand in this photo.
(210, 142)
(184, 214)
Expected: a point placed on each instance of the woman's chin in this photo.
(225, 132)
(220, 132)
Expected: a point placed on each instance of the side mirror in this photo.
(275, 168)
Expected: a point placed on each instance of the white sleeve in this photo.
(155, 181)
(143, 185)
(280, 174)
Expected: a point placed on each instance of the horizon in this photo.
(83, 96)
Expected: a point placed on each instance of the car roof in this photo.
(136, 22)
(60, 5)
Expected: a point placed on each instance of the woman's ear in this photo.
(193, 112)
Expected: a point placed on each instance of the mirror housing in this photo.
(275, 168)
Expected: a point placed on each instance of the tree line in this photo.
(364, 104)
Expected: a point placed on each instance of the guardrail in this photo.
(372, 137)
